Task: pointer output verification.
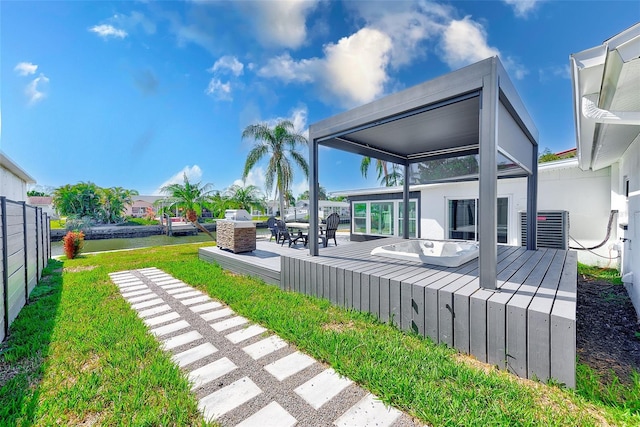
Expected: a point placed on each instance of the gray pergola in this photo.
(474, 110)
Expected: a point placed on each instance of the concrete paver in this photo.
(289, 365)
(194, 354)
(181, 339)
(229, 323)
(264, 347)
(245, 334)
(205, 307)
(170, 328)
(201, 376)
(322, 388)
(272, 415)
(153, 321)
(369, 411)
(230, 397)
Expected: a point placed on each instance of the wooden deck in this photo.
(528, 327)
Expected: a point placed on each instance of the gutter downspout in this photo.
(591, 111)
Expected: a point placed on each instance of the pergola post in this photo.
(405, 199)
(313, 197)
(532, 203)
(488, 177)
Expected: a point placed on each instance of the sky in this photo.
(137, 93)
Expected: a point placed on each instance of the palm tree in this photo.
(246, 197)
(114, 201)
(79, 200)
(190, 198)
(381, 168)
(322, 194)
(280, 143)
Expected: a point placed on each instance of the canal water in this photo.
(138, 242)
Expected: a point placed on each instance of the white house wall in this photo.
(586, 195)
(629, 168)
(11, 186)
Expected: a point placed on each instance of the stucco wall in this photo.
(586, 195)
(11, 186)
(630, 168)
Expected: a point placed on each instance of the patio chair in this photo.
(271, 224)
(332, 223)
(283, 233)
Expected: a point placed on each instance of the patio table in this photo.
(300, 228)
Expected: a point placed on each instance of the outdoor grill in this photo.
(236, 232)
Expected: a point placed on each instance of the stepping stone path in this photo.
(242, 374)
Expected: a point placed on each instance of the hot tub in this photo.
(436, 252)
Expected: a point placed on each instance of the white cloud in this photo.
(134, 20)
(522, 8)
(408, 24)
(356, 66)
(298, 117)
(105, 31)
(194, 174)
(515, 67)
(465, 42)
(255, 177)
(25, 68)
(289, 70)
(219, 90)
(356, 69)
(228, 63)
(559, 71)
(352, 70)
(35, 89)
(281, 23)
(299, 188)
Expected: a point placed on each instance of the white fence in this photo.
(25, 250)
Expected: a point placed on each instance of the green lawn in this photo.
(82, 355)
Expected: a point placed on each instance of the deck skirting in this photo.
(528, 327)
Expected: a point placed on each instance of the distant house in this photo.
(43, 202)
(138, 208)
(325, 208)
(13, 180)
(606, 104)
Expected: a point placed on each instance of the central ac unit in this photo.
(553, 229)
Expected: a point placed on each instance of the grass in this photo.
(611, 275)
(140, 221)
(77, 354)
(58, 224)
(96, 360)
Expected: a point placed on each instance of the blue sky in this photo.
(136, 93)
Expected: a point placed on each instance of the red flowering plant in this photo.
(73, 243)
(150, 214)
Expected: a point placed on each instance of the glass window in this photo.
(463, 215)
(359, 217)
(382, 218)
(413, 223)
(462, 219)
(503, 215)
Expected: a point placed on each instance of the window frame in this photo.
(447, 229)
(395, 214)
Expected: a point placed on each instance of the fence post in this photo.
(26, 251)
(41, 260)
(5, 264)
(37, 246)
(48, 236)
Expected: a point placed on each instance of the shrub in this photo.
(73, 243)
(78, 224)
